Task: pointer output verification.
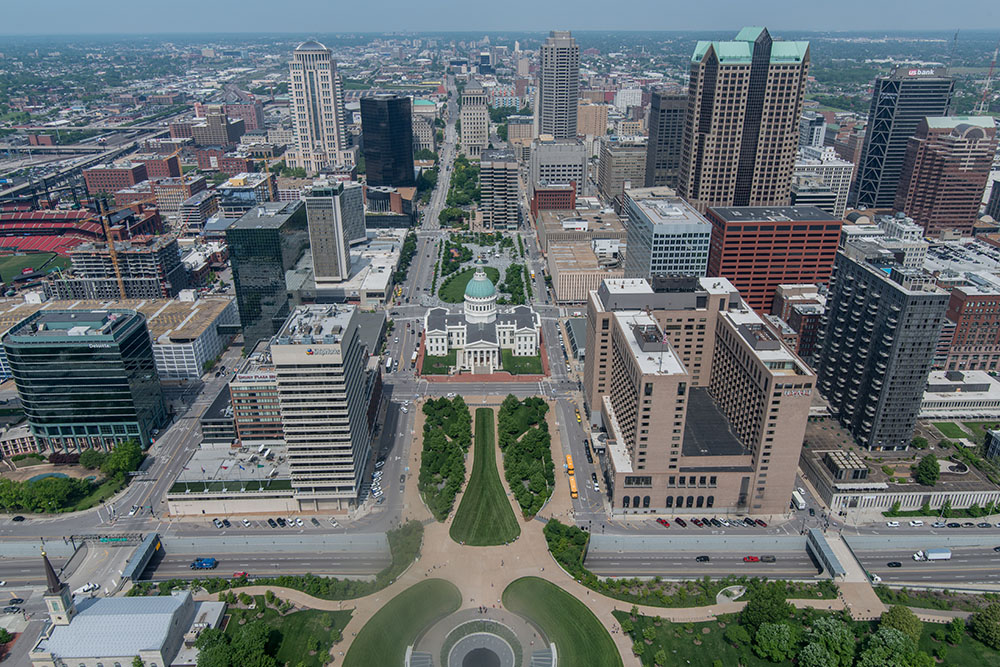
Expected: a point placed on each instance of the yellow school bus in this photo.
(572, 487)
(569, 464)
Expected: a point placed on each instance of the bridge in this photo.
(67, 149)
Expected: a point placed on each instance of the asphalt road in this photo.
(967, 565)
(25, 571)
(268, 564)
(678, 564)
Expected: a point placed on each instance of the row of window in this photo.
(678, 502)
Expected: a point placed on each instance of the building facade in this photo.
(387, 132)
(701, 406)
(945, 170)
(150, 268)
(974, 308)
(881, 328)
(591, 119)
(559, 161)
(87, 379)
(336, 217)
(667, 115)
(265, 243)
(666, 236)
(558, 85)
(622, 165)
(475, 119)
(499, 188)
(112, 178)
(739, 140)
(758, 248)
(812, 130)
(822, 164)
(899, 102)
(317, 104)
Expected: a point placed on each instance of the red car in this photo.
(760, 523)
(751, 559)
(663, 522)
(240, 575)
(697, 522)
(680, 522)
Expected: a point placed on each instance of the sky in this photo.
(48, 17)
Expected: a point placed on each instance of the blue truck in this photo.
(204, 564)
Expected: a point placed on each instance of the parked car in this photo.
(916, 522)
(716, 523)
(762, 524)
(997, 549)
(17, 518)
(218, 524)
(225, 522)
(703, 559)
(680, 522)
(246, 523)
(402, 479)
(663, 522)
(749, 522)
(281, 522)
(968, 524)
(984, 524)
(697, 522)
(314, 521)
(272, 523)
(892, 524)
(333, 522)
(751, 559)
(939, 524)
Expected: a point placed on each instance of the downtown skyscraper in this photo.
(742, 132)
(558, 85)
(317, 101)
(899, 102)
(387, 129)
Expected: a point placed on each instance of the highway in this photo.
(175, 566)
(967, 565)
(682, 565)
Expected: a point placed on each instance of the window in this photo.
(690, 501)
(625, 502)
(645, 501)
(635, 501)
(638, 481)
(670, 501)
(710, 501)
(701, 501)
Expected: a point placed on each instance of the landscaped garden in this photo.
(579, 637)
(434, 365)
(398, 624)
(950, 430)
(261, 631)
(770, 631)
(527, 451)
(453, 288)
(447, 436)
(934, 599)
(521, 365)
(484, 517)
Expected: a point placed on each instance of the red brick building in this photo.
(554, 197)
(159, 166)
(760, 247)
(975, 310)
(945, 170)
(111, 178)
(251, 113)
(181, 130)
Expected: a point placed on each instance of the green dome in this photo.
(480, 287)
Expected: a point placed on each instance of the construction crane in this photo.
(984, 99)
(105, 216)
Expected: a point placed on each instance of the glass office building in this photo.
(387, 139)
(265, 243)
(87, 379)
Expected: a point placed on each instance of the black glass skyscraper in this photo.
(265, 243)
(387, 137)
(900, 101)
(87, 379)
(667, 114)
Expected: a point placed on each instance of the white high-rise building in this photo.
(558, 85)
(628, 97)
(336, 218)
(823, 165)
(475, 119)
(317, 102)
(666, 237)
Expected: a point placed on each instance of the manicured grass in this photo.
(384, 638)
(438, 365)
(484, 517)
(979, 428)
(101, 492)
(950, 430)
(579, 637)
(967, 652)
(298, 631)
(11, 265)
(453, 288)
(521, 365)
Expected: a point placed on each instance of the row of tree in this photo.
(523, 436)
(447, 437)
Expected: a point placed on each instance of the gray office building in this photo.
(558, 85)
(880, 331)
(266, 242)
(899, 102)
(666, 237)
(667, 112)
(336, 215)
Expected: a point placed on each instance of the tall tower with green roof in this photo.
(742, 130)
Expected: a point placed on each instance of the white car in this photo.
(291, 522)
(404, 410)
(3, 583)
(939, 524)
(876, 579)
(916, 522)
(376, 474)
(246, 522)
(333, 522)
(298, 522)
(892, 524)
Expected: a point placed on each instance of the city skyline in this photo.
(66, 17)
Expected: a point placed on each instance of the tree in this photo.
(904, 620)
(5, 636)
(985, 625)
(889, 647)
(216, 655)
(836, 639)
(137, 662)
(649, 633)
(660, 659)
(125, 457)
(774, 642)
(919, 442)
(765, 604)
(956, 631)
(737, 634)
(92, 458)
(927, 472)
(815, 655)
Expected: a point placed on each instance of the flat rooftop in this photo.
(707, 431)
(773, 214)
(670, 211)
(574, 256)
(234, 468)
(645, 340)
(962, 256)
(267, 215)
(177, 321)
(313, 324)
(582, 220)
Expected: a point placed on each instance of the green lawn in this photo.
(579, 637)
(969, 652)
(296, 631)
(521, 365)
(484, 517)
(11, 265)
(384, 638)
(950, 430)
(979, 428)
(438, 365)
(453, 288)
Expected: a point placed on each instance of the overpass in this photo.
(67, 149)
